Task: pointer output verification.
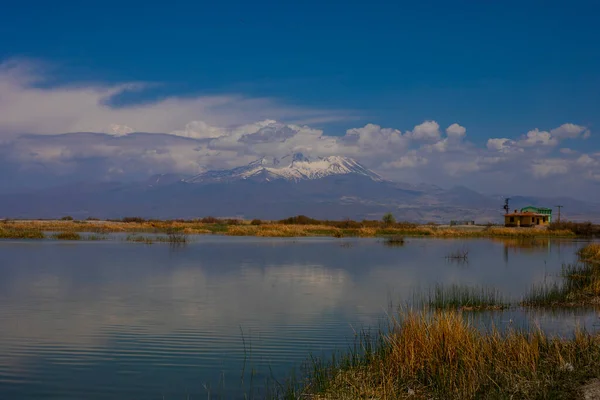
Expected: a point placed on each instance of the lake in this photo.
(217, 317)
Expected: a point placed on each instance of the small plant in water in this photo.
(96, 237)
(580, 285)
(464, 298)
(394, 241)
(460, 254)
(176, 236)
(67, 236)
(140, 239)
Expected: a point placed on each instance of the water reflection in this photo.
(534, 245)
(122, 320)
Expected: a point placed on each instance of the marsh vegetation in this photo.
(394, 241)
(298, 226)
(579, 284)
(67, 236)
(9, 232)
(444, 346)
(462, 297)
(459, 254)
(444, 355)
(175, 237)
(439, 352)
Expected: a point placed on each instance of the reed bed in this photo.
(12, 233)
(280, 229)
(460, 254)
(466, 298)
(95, 237)
(527, 232)
(590, 253)
(141, 239)
(445, 356)
(177, 237)
(67, 236)
(580, 284)
(394, 241)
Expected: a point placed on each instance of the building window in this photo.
(512, 219)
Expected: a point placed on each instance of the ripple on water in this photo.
(118, 321)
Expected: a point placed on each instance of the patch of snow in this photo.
(301, 168)
(118, 130)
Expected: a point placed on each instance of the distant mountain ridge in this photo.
(331, 187)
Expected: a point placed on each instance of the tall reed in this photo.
(445, 356)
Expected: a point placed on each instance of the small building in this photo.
(454, 223)
(539, 210)
(526, 219)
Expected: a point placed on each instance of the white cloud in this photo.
(456, 131)
(548, 167)
(503, 145)
(428, 130)
(569, 131)
(410, 160)
(536, 137)
(211, 132)
(566, 150)
(118, 130)
(586, 161)
(200, 130)
(375, 137)
(200, 146)
(28, 106)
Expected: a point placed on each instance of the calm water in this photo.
(117, 320)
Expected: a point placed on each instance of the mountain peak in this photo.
(301, 168)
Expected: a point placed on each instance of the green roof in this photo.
(537, 209)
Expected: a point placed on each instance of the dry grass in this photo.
(246, 228)
(8, 232)
(394, 241)
(580, 283)
(465, 298)
(67, 236)
(527, 232)
(444, 356)
(590, 253)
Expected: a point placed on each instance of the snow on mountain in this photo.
(300, 168)
(118, 130)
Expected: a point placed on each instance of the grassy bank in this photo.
(444, 356)
(580, 284)
(298, 227)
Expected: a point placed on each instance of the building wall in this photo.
(526, 220)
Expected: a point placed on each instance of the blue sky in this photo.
(500, 69)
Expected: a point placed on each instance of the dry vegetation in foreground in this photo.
(299, 226)
(444, 356)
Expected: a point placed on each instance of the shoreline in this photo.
(31, 229)
(439, 353)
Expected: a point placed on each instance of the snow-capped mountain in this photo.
(300, 168)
